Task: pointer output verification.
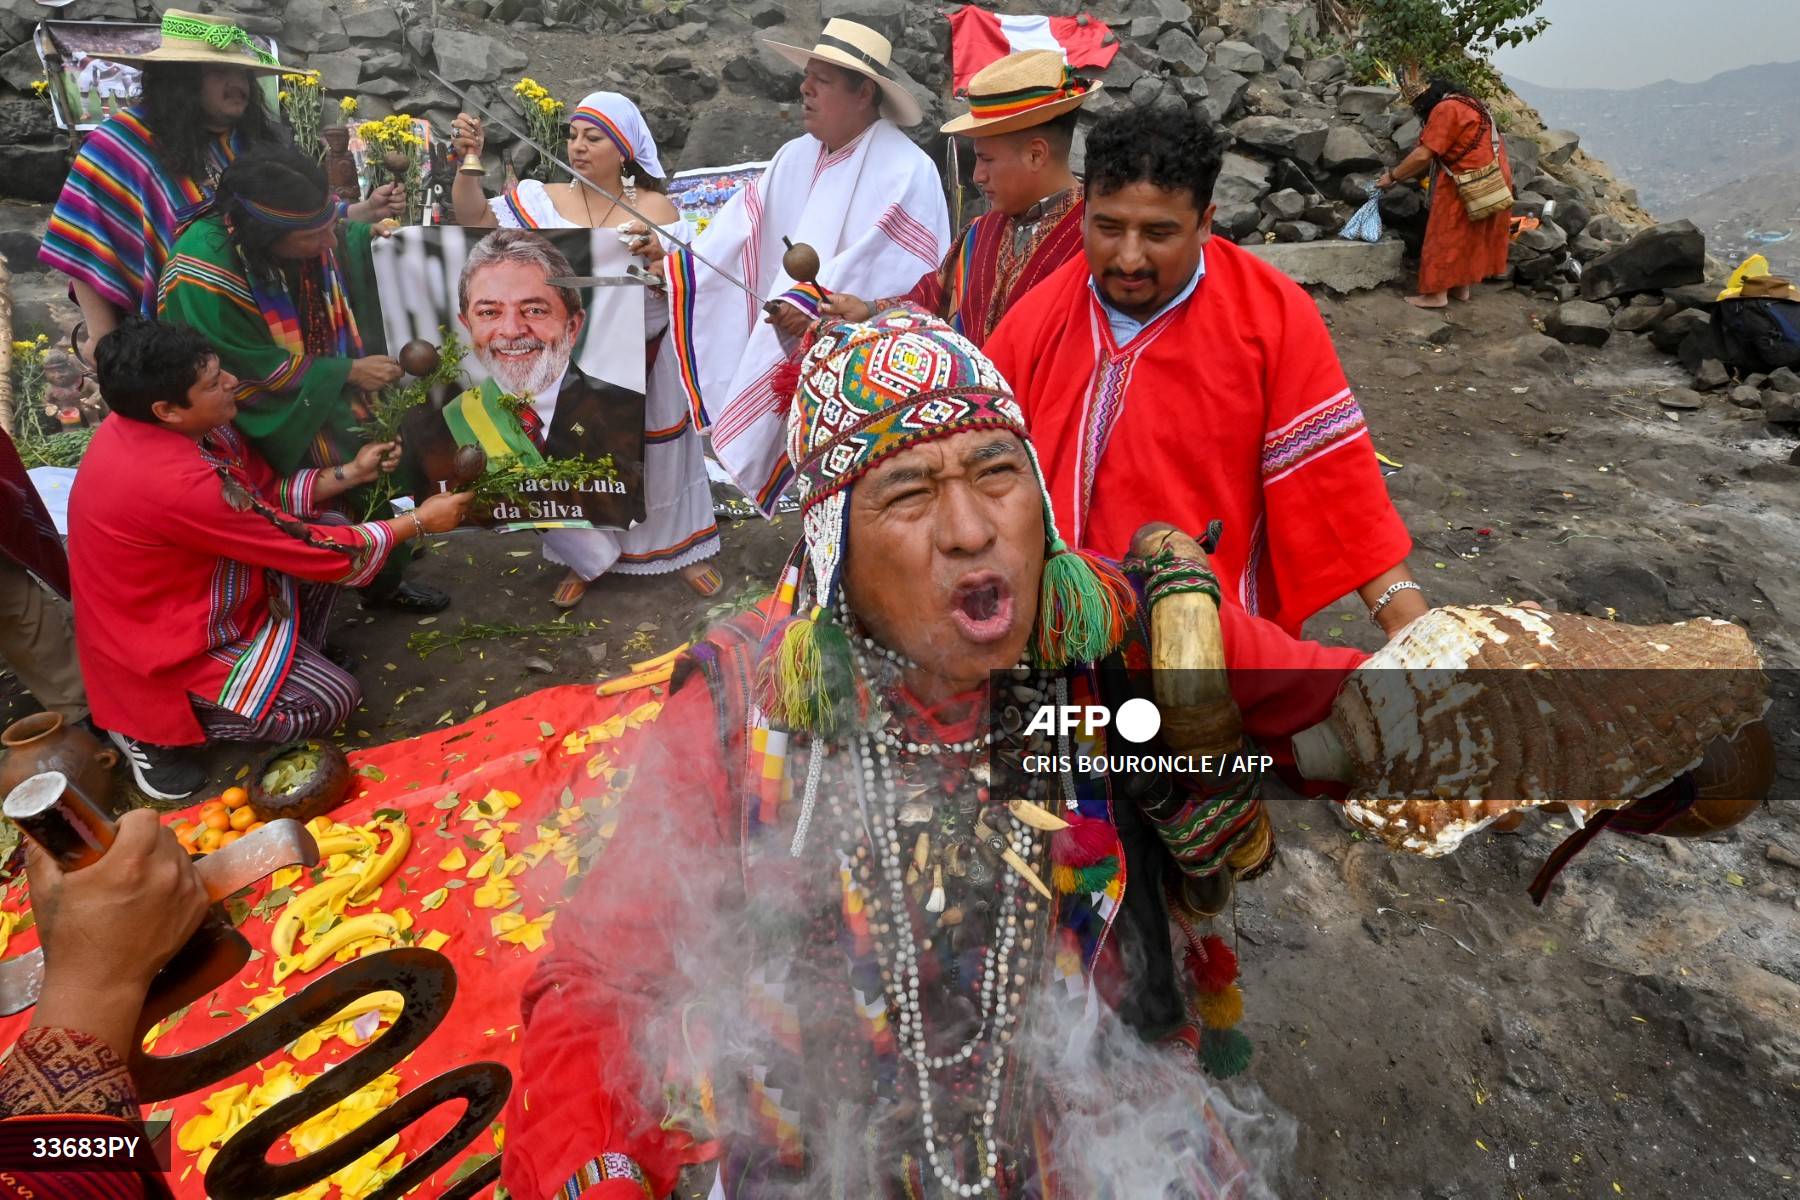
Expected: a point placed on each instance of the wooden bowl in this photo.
(319, 793)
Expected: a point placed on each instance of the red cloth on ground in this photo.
(27, 534)
(172, 582)
(981, 278)
(584, 1087)
(1231, 406)
(1459, 251)
(432, 781)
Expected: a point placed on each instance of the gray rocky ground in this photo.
(1434, 1034)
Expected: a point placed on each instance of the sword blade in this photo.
(684, 243)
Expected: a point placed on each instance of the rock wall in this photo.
(1307, 140)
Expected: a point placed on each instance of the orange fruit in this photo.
(242, 818)
(229, 836)
(209, 841)
(254, 826)
(189, 835)
(235, 797)
(218, 819)
(211, 806)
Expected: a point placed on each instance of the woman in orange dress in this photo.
(1459, 135)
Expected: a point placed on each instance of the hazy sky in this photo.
(1628, 43)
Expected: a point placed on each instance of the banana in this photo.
(357, 929)
(342, 843)
(379, 868)
(387, 1002)
(293, 917)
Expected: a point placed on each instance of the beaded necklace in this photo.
(913, 843)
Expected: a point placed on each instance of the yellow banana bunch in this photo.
(345, 933)
(293, 917)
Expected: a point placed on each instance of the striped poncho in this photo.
(121, 210)
(295, 403)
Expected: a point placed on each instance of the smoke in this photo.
(753, 990)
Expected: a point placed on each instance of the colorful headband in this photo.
(282, 218)
(1007, 104)
(594, 116)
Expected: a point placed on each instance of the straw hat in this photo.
(860, 49)
(1019, 91)
(202, 41)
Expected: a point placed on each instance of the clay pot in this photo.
(324, 791)
(47, 742)
(1730, 783)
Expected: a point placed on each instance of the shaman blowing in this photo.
(831, 774)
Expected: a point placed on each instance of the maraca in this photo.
(801, 262)
(419, 358)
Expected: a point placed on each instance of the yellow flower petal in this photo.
(434, 940)
(496, 856)
(495, 893)
(307, 1045)
(456, 860)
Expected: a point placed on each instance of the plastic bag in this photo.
(1365, 225)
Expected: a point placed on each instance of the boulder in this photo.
(1681, 399)
(1365, 101)
(1586, 249)
(1181, 53)
(674, 61)
(388, 87)
(1235, 220)
(1322, 71)
(1284, 205)
(765, 14)
(1580, 323)
(1701, 343)
(20, 250)
(1712, 375)
(1224, 93)
(473, 57)
(1241, 57)
(1545, 239)
(421, 39)
(1301, 138)
(1785, 380)
(20, 66)
(1663, 256)
(34, 171)
(1781, 409)
(1147, 27)
(1336, 264)
(886, 17)
(1406, 136)
(1297, 231)
(1571, 216)
(722, 134)
(25, 119)
(1346, 149)
(1695, 295)
(1242, 181)
(375, 23)
(1269, 31)
(339, 72)
(1265, 98)
(312, 27)
(1402, 205)
(1745, 397)
(1669, 333)
(1639, 318)
(1523, 153)
(1558, 146)
(1607, 229)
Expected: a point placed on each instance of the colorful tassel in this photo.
(1085, 842)
(1213, 964)
(1221, 1009)
(1082, 609)
(1225, 1052)
(809, 680)
(1084, 881)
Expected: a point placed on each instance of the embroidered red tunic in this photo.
(1232, 405)
(1459, 251)
(985, 271)
(177, 591)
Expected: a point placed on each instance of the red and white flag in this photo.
(979, 37)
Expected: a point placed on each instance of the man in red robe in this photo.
(1021, 119)
(1172, 376)
(189, 556)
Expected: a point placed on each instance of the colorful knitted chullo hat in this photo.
(864, 392)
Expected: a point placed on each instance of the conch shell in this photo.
(1473, 713)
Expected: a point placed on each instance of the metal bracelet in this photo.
(1386, 597)
(420, 525)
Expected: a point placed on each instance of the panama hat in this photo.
(1019, 91)
(860, 49)
(201, 41)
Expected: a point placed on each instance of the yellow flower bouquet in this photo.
(543, 120)
(299, 97)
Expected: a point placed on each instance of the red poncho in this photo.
(1231, 406)
(173, 582)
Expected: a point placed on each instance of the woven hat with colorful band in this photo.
(203, 41)
(1019, 91)
(866, 391)
(619, 119)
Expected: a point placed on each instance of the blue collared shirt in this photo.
(1126, 327)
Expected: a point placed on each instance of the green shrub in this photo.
(1449, 38)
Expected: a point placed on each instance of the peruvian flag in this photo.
(979, 37)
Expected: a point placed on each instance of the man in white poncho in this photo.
(855, 189)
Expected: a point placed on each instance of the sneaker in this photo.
(160, 772)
